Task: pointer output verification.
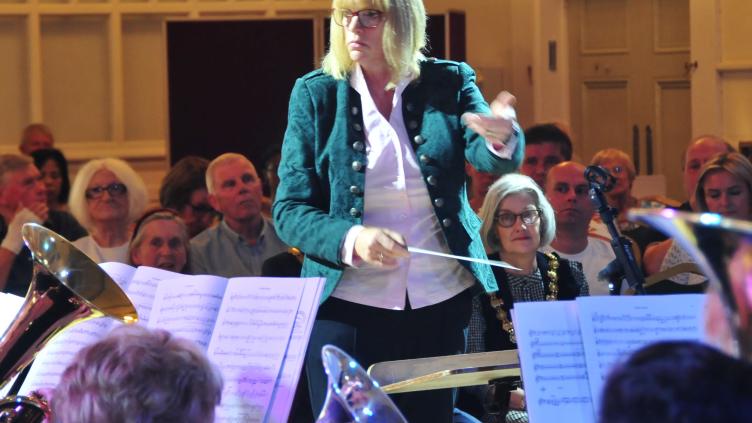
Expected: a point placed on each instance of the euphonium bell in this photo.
(722, 249)
(67, 288)
(352, 394)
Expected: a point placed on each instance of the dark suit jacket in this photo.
(322, 171)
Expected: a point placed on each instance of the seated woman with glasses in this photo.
(517, 221)
(620, 166)
(160, 239)
(106, 197)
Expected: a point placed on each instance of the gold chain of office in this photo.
(553, 294)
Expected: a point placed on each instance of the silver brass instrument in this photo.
(722, 249)
(352, 394)
(67, 288)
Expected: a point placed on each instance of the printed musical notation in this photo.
(251, 335)
(553, 361)
(614, 327)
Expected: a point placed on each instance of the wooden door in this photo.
(630, 85)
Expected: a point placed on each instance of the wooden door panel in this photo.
(604, 26)
(608, 100)
(673, 130)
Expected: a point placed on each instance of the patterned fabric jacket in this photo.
(322, 170)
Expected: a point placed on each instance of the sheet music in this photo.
(119, 272)
(249, 342)
(284, 390)
(614, 327)
(55, 357)
(143, 287)
(188, 306)
(552, 362)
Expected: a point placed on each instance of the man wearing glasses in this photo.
(23, 200)
(567, 190)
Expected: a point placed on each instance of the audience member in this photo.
(620, 166)
(546, 145)
(568, 191)
(35, 137)
(517, 221)
(724, 186)
(700, 150)
(240, 243)
(678, 381)
(184, 190)
(270, 178)
(138, 375)
(54, 170)
(160, 239)
(477, 187)
(107, 196)
(23, 200)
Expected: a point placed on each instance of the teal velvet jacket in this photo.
(322, 170)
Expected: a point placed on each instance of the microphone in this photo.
(600, 177)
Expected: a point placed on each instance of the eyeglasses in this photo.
(508, 219)
(115, 190)
(202, 208)
(367, 18)
(616, 170)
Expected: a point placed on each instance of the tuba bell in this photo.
(352, 394)
(67, 288)
(722, 249)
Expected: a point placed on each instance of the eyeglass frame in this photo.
(201, 208)
(346, 18)
(538, 213)
(113, 189)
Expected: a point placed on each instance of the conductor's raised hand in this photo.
(380, 247)
(497, 127)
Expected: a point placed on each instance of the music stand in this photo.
(452, 371)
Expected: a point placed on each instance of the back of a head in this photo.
(138, 375)
(550, 133)
(678, 381)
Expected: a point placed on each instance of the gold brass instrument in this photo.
(352, 394)
(722, 249)
(67, 288)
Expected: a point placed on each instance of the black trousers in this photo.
(372, 335)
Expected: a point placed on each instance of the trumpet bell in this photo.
(67, 287)
(352, 394)
(722, 249)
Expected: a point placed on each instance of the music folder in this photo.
(451, 371)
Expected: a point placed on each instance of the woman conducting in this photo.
(373, 162)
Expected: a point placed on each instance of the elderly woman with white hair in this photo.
(106, 198)
(517, 220)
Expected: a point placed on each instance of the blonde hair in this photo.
(616, 154)
(509, 184)
(137, 196)
(403, 39)
(734, 163)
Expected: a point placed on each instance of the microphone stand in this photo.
(626, 266)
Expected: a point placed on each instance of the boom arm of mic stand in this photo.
(621, 245)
